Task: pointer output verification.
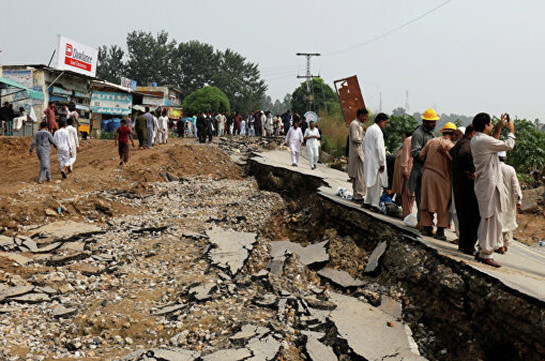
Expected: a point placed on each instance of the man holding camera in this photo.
(488, 181)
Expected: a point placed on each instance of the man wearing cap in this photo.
(513, 196)
(374, 167)
(436, 186)
(488, 182)
(420, 137)
(463, 190)
(355, 154)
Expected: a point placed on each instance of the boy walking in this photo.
(122, 136)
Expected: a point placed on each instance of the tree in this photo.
(150, 58)
(207, 99)
(528, 155)
(110, 63)
(190, 66)
(393, 133)
(325, 99)
(241, 82)
(195, 64)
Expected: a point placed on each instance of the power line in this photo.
(389, 32)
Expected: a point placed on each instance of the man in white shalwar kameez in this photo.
(513, 201)
(64, 151)
(374, 167)
(488, 182)
(162, 128)
(312, 137)
(294, 139)
(74, 143)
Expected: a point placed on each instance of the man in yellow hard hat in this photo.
(420, 137)
(436, 184)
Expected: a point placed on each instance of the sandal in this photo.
(63, 174)
(501, 250)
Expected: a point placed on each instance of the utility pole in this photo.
(308, 77)
(407, 101)
(380, 102)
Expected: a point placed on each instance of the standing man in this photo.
(150, 127)
(64, 113)
(201, 128)
(64, 151)
(420, 137)
(50, 113)
(258, 123)
(162, 132)
(436, 185)
(122, 136)
(294, 139)
(407, 198)
(312, 138)
(74, 143)
(356, 156)
(463, 191)
(286, 121)
(374, 167)
(141, 130)
(488, 182)
(42, 141)
(513, 197)
(221, 124)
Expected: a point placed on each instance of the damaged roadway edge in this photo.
(465, 308)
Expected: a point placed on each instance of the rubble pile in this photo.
(194, 278)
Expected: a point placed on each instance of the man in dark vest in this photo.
(463, 185)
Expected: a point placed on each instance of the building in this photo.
(61, 86)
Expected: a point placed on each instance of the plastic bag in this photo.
(410, 220)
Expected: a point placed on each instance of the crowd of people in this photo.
(459, 177)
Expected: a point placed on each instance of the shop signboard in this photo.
(175, 113)
(155, 101)
(60, 91)
(128, 83)
(111, 103)
(76, 57)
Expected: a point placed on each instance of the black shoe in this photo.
(440, 234)
(427, 231)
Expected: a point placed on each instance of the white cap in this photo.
(462, 129)
(502, 154)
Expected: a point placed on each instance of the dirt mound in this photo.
(97, 169)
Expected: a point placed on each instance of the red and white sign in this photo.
(76, 57)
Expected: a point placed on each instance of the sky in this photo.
(465, 57)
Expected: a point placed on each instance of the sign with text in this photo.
(76, 57)
(128, 83)
(111, 103)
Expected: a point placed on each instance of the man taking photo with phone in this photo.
(488, 181)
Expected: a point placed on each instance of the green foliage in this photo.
(107, 135)
(325, 98)
(528, 156)
(110, 63)
(207, 99)
(334, 132)
(393, 133)
(325, 143)
(278, 107)
(188, 66)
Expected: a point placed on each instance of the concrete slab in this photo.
(22, 260)
(178, 354)
(263, 350)
(202, 292)
(65, 230)
(228, 355)
(317, 351)
(523, 267)
(15, 291)
(311, 254)
(340, 278)
(374, 259)
(366, 330)
(231, 249)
